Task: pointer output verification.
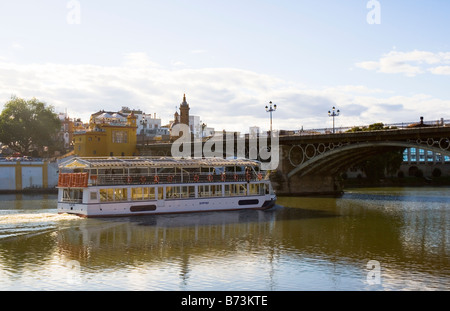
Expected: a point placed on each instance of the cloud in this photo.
(440, 70)
(409, 63)
(16, 46)
(224, 98)
(199, 51)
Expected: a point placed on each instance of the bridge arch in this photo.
(342, 156)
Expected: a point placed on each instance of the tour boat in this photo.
(125, 186)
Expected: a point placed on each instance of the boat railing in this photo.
(167, 178)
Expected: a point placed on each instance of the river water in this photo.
(368, 240)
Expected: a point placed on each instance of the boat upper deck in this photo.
(152, 162)
(82, 172)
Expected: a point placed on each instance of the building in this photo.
(65, 135)
(184, 111)
(107, 135)
(150, 129)
(180, 118)
(28, 175)
(197, 128)
(426, 161)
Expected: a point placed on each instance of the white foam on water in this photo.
(14, 224)
(27, 218)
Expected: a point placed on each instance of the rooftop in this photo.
(152, 162)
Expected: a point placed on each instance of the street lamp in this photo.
(333, 114)
(270, 109)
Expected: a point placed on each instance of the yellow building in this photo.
(107, 139)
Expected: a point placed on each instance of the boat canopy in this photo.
(152, 162)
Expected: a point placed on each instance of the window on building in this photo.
(421, 155)
(120, 137)
(430, 156)
(405, 156)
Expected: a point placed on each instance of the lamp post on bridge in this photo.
(333, 113)
(270, 109)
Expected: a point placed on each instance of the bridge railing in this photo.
(327, 130)
(344, 129)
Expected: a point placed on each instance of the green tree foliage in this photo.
(373, 127)
(377, 166)
(28, 125)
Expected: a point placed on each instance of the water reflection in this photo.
(102, 242)
(302, 243)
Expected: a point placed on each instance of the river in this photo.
(367, 240)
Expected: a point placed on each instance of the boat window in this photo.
(149, 193)
(187, 191)
(204, 191)
(227, 190)
(117, 194)
(136, 194)
(241, 189)
(256, 189)
(173, 192)
(103, 195)
(72, 195)
(235, 189)
(210, 190)
(216, 190)
(160, 192)
(93, 195)
(120, 194)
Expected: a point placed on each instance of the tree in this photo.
(372, 127)
(376, 166)
(27, 125)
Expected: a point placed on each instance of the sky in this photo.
(376, 61)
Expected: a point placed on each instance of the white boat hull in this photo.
(136, 208)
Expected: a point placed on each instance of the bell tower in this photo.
(184, 111)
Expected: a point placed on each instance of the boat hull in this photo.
(139, 208)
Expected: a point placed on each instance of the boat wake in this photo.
(34, 218)
(13, 224)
